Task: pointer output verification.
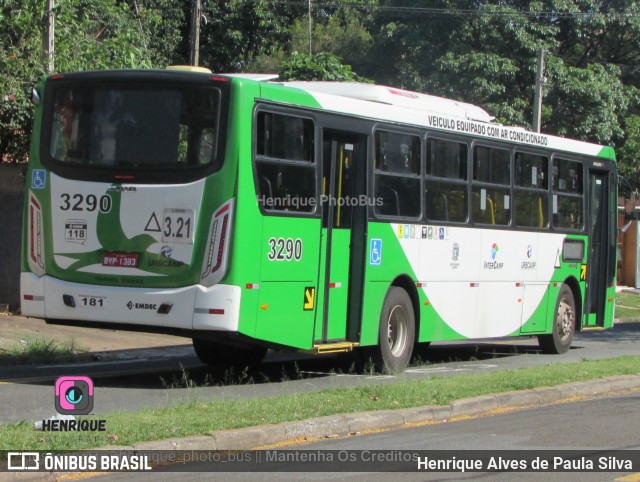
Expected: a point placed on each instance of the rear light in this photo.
(35, 256)
(215, 265)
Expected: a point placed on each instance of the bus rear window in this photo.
(141, 127)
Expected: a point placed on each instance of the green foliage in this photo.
(350, 41)
(587, 102)
(36, 349)
(89, 34)
(479, 52)
(20, 67)
(236, 31)
(629, 152)
(322, 66)
(488, 79)
(488, 57)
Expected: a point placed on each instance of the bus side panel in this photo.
(374, 293)
(381, 268)
(609, 307)
(34, 163)
(395, 261)
(277, 254)
(537, 322)
(540, 320)
(289, 257)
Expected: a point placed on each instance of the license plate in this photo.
(120, 260)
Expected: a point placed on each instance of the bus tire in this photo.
(564, 324)
(396, 332)
(228, 356)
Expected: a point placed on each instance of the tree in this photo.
(485, 53)
(337, 27)
(321, 66)
(237, 31)
(20, 67)
(349, 41)
(89, 34)
(585, 103)
(628, 153)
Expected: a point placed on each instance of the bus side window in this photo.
(567, 197)
(531, 170)
(482, 207)
(397, 174)
(491, 199)
(531, 209)
(531, 190)
(437, 205)
(284, 163)
(446, 181)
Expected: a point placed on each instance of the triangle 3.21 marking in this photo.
(153, 225)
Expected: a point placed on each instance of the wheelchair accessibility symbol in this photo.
(38, 179)
(375, 252)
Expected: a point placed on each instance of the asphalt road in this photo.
(155, 377)
(598, 425)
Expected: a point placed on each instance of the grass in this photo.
(201, 417)
(627, 307)
(36, 350)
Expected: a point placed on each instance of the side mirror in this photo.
(35, 96)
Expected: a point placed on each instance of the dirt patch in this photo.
(14, 328)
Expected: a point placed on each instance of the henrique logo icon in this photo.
(74, 395)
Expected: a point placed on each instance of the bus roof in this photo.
(397, 97)
(257, 77)
(413, 108)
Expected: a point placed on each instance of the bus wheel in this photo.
(228, 356)
(396, 332)
(564, 324)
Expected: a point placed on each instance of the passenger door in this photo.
(343, 235)
(601, 261)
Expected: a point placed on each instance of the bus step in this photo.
(341, 347)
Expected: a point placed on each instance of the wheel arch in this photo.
(406, 283)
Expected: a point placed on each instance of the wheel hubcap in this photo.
(397, 330)
(565, 320)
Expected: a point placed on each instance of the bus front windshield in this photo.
(141, 127)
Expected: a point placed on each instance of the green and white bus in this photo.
(250, 214)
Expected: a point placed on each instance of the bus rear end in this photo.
(129, 203)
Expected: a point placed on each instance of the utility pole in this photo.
(49, 38)
(194, 51)
(537, 97)
(310, 30)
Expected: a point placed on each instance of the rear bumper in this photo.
(190, 308)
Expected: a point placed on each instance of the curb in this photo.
(250, 438)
